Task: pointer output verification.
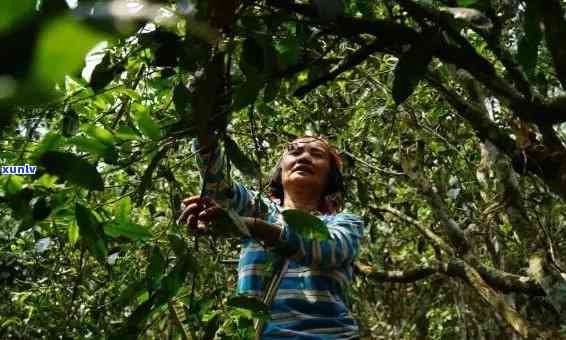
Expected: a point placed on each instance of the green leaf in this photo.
(96, 147)
(410, 69)
(91, 232)
(131, 293)
(363, 193)
(54, 57)
(247, 93)
(251, 303)
(123, 210)
(104, 73)
(130, 230)
(20, 203)
(135, 322)
(148, 173)
(89, 145)
(246, 166)
(158, 37)
(177, 244)
(46, 181)
(466, 3)
(126, 133)
(366, 8)
(240, 313)
(13, 184)
(305, 224)
(181, 99)
(527, 53)
(271, 61)
(50, 142)
(13, 13)
(289, 50)
(123, 90)
(210, 316)
(145, 122)
(73, 233)
(168, 52)
(271, 90)
(329, 10)
(156, 268)
(73, 169)
(171, 283)
(194, 54)
(101, 134)
(70, 123)
(41, 209)
(251, 60)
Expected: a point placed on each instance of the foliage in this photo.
(305, 224)
(449, 116)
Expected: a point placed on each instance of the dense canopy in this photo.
(448, 115)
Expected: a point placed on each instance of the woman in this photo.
(309, 294)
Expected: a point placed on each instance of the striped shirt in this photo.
(310, 302)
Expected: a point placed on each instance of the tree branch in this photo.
(459, 53)
(483, 126)
(496, 300)
(423, 12)
(421, 228)
(555, 31)
(453, 231)
(351, 61)
(512, 68)
(548, 163)
(464, 55)
(399, 276)
(497, 279)
(389, 31)
(467, 271)
(500, 280)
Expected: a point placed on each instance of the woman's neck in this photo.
(306, 201)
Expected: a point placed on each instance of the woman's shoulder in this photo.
(346, 216)
(347, 222)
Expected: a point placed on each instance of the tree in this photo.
(448, 114)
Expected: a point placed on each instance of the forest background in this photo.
(448, 114)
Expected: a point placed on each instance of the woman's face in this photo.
(305, 164)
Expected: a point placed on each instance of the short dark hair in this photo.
(334, 184)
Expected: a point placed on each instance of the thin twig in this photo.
(371, 166)
(115, 199)
(76, 285)
(196, 236)
(258, 153)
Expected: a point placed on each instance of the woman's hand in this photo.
(199, 209)
(203, 215)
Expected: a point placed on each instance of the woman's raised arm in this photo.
(346, 231)
(218, 184)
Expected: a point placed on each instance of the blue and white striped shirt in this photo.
(310, 300)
